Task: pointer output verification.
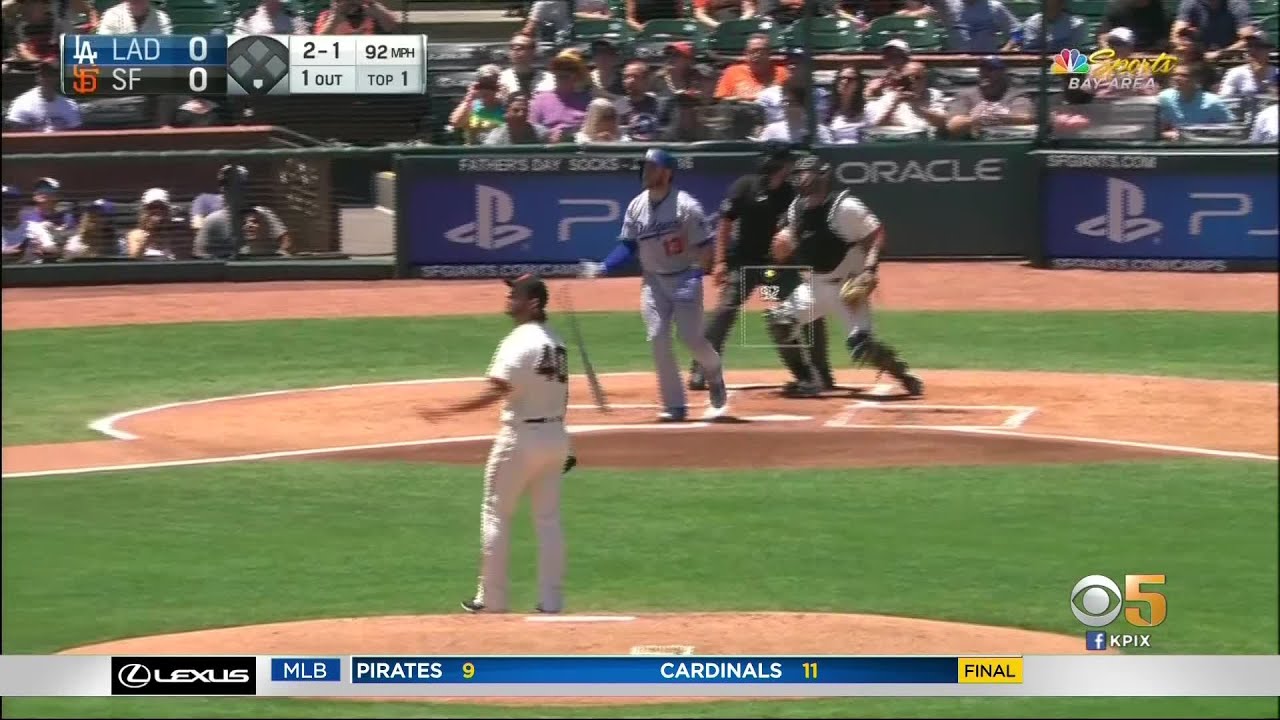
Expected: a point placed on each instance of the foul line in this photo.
(1240, 454)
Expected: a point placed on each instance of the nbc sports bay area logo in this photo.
(1123, 219)
(1102, 69)
(1097, 602)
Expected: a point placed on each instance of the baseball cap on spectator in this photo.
(102, 206)
(531, 287)
(1122, 35)
(896, 44)
(225, 172)
(681, 48)
(10, 192)
(643, 127)
(991, 62)
(46, 185)
(603, 45)
(155, 195)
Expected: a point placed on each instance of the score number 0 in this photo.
(198, 51)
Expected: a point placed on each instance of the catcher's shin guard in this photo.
(819, 354)
(864, 348)
(787, 338)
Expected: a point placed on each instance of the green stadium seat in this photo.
(919, 33)
(668, 29)
(1263, 8)
(618, 8)
(731, 36)
(1088, 8)
(1271, 26)
(588, 30)
(827, 35)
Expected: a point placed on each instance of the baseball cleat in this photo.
(472, 606)
(673, 415)
(717, 393)
(912, 384)
(801, 389)
(544, 611)
(696, 381)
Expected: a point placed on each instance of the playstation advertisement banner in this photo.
(489, 215)
(1159, 218)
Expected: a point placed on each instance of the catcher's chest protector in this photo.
(818, 244)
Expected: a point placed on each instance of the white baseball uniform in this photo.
(528, 454)
(830, 238)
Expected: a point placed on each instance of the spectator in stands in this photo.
(1265, 130)
(1187, 103)
(644, 128)
(270, 17)
(1257, 76)
(1120, 40)
(23, 241)
(46, 212)
(785, 12)
(794, 125)
(43, 108)
(1145, 19)
(979, 25)
(135, 17)
(1062, 29)
(517, 130)
(481, 110)
(710, 13)
(606, 80)
(216, 235)
(204, 205)
(96, 236)
(257, 229)
(895, 55)
(684, 122)
(601, 124)
(562, 109)
(1221, 24)
(549, 17)
(636, 100)
(36, 33)
(848, 114)
(743, 81)
(159, 234)
(917, 9)
(356, 17)
(770, 99)
(993, 102)
(522, 77)
(678, 74)
(910, 103)
(640, 12)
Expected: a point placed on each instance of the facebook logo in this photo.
(1095, 640)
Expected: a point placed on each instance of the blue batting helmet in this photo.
(661, 158)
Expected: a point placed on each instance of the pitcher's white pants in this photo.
(524, 457)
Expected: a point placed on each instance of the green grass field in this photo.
(95, 557)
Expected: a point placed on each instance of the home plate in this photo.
(778, 418)
(579, 618)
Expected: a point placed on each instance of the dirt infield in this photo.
(699, 634)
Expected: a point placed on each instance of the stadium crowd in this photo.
(605, 71)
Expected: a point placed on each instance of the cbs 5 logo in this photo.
(1096, 601)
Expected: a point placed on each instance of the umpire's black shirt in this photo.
(756, 210)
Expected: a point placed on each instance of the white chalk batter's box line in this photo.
(1017, 416)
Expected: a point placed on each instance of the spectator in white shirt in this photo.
(522, 77)
(849, 111)
(24, 241)
(270, 17)
(1264, 127)
(135, 17)
(794, 125)
(910, 103)
(1257, 76)
(43, 108)
(97, 235)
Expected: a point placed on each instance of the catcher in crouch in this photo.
(836, 235)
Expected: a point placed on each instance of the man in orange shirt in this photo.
(745, 80)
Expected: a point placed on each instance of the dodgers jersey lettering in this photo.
(533, 359)
(670, 235)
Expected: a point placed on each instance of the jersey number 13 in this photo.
(554, 363)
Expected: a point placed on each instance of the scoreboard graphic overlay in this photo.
(277, 65)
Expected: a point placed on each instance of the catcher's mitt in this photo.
(857, 290)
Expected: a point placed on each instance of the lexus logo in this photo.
(134, 676)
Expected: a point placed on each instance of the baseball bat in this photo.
(593, 382)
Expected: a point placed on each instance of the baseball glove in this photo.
(857, 290)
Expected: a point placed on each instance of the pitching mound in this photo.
(654, 634)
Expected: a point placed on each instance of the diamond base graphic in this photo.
(773, 285)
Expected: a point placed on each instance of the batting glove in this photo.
(589, 269)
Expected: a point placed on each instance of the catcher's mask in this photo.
(811, 175)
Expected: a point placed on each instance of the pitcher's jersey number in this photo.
(554, 363)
